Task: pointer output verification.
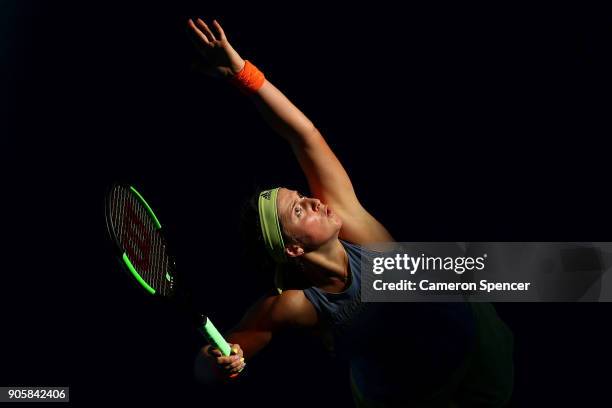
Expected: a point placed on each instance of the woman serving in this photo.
(315, 243)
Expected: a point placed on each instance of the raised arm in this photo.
(327, 178)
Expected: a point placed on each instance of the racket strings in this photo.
(159, 259)
(139, 238)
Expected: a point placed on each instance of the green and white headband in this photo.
(270, 225)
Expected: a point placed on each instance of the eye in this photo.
(298, 210)
(300, 195)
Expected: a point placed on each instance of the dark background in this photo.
(456, 122)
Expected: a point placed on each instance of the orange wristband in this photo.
(249, 79)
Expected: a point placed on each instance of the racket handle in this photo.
(215, 338)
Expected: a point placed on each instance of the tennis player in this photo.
(400, 354)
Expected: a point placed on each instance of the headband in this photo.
(270, 225)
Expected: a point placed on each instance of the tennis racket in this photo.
(143, 251)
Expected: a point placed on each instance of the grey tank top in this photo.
(393, 347)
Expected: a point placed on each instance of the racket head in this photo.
(139, 241)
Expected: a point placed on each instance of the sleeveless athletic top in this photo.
(398, 352)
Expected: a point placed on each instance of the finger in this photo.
(209, 350)
(197, 32)
(206, 30)
(239, 367)
(219, 30)
(235, 365)
(226, 360)
(236, 349)
(237, 370)
(213, 350)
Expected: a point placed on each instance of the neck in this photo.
(327, 266)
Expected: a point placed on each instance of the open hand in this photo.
(218, 57)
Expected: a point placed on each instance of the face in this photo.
(305, 219)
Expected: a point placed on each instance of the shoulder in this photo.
(275, 312)
(292, 308)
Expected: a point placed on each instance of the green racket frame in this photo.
(205, 326)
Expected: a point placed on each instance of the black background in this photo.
(456, 122)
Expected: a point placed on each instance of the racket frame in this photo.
(206, 326)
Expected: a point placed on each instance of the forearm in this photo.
(282, 115)
(250, 341)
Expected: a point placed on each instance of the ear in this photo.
(294, 250)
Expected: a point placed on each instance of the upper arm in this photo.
(270, 314)
(329, 181)
(327, 178)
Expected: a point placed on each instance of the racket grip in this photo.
(215, 338)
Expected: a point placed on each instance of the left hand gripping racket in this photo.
(142, 250)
